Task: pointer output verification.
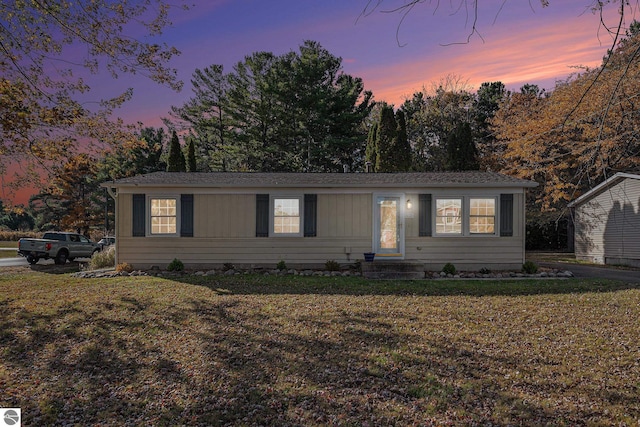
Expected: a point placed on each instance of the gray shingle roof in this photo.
(319, 180)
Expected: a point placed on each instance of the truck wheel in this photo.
(32, 259)
(61, 258)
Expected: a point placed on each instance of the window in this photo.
(286, 216)
(466, 216)
(449, 216)
(164, 215)
(482, 216)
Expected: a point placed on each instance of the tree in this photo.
(15, 218)
(176, 162)
(294, 112)
(432, 117)
(206, 117)
(387, 132)
(567, 146)
(401, 145)
(461, 150)
(43, 113)
(371, 153)
(191, 156)
(488, 100)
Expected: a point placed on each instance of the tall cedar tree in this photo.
(402, 148)
(176, 161)
(191, 156)
(387, 131)
(371, 153)
(461, 150)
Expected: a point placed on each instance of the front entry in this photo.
(388, 232)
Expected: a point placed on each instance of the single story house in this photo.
(607, 222)
(471, 219)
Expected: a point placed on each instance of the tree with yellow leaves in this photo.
(580, 134)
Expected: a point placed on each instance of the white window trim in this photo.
(272, 202)
(148, 214)
(466, 212)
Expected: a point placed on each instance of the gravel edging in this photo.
(106, 273)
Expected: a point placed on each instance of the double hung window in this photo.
(286, 216)
(164, 215)
(464, 216)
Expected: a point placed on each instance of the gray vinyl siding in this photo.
(607, 226)
(225, 226)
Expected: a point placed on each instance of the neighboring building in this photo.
(607, 222)
(472, 219)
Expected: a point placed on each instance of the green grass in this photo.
(255, 350)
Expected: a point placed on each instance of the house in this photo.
(471, 219)
(607, 222)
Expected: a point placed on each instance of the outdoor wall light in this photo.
(409, 204)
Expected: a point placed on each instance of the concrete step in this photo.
(393, 270)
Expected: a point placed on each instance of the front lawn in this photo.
(255, 350)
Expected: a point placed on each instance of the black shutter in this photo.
(262, 215)
(186, 215)
(424, 212)
(310, 214)
(506, 215)
(139, 214)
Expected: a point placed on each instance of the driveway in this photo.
(588, 271)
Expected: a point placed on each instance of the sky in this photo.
(516, 42)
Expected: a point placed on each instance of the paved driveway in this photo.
(588, 271)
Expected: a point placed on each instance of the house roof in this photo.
(319, 180)
(603, 186)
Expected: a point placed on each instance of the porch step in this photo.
(393, 270)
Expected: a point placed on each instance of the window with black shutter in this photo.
(139, 214)
(424, 212)
(262, 215)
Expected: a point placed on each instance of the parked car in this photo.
(60, 246)
(105, 242)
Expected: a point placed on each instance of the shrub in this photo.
(484, 270)
(449, 268)
(175, 265)
(530, 267)
(104, 259)
(123, 266)
(332, 265)
(281, 265)
(228, 266)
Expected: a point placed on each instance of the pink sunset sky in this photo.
(518, 42)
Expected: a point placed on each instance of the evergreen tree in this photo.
(461, 150)
(371, 153)
(191, 156)
(402, 149)
(176, 161)
(387, 131)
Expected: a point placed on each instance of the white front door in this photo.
(388, 227)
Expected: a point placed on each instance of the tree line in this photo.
(299, 112)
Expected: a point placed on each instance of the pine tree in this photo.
(176, 161)
(191, 156)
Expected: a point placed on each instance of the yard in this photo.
(254, 350)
